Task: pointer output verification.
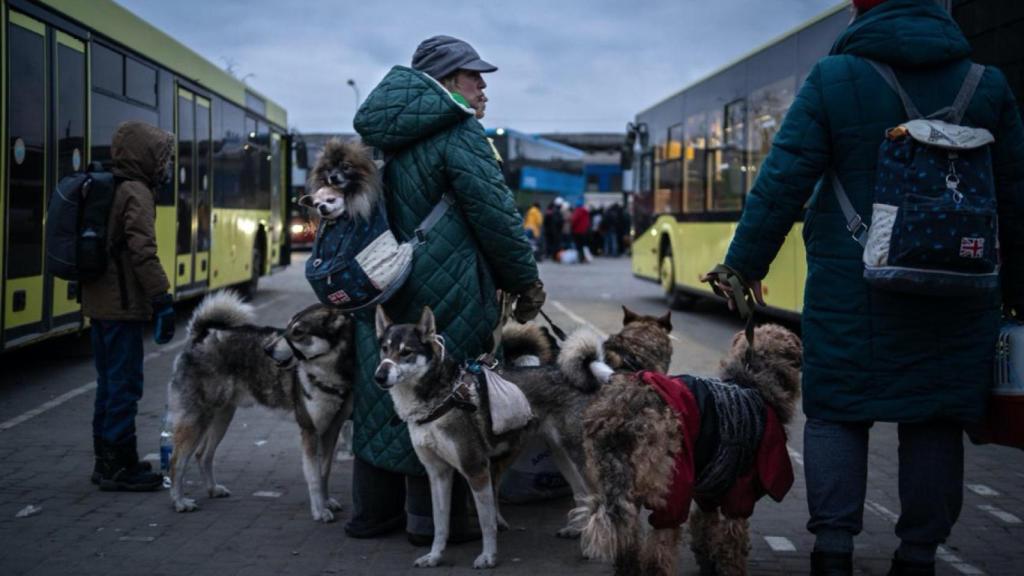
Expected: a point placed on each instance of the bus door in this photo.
(192, 185)
(46, 110)
(278, 198)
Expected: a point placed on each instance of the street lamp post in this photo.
(355, 88)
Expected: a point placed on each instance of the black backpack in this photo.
(76, 224)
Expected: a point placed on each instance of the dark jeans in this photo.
(383, 501)
(117, 352)
(931, 479)
(580, 240)
(611, 244)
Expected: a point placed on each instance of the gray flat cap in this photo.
(440, 56)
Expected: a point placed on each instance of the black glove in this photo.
(529, 303)
(163, 316)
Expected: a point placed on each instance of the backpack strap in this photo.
(854, 223)
(887, 74)
(434, 217)
(967, 89)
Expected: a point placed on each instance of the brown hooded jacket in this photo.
(134, 276)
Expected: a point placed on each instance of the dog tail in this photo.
(773, 368)
(221, 310)
(528, 345)
(581, 360)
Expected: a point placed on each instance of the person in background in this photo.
(924, 362)
(553, 229)
(610, 230)
(534, 224)
(130, 293)
(579, 226)
(425, 118)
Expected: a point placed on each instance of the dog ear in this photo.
(383, 322)
(666, 321)
(628, 316)
(306, 200)
(426, 326)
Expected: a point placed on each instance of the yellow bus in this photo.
(72, 72)
(702, 147)
(701, 150)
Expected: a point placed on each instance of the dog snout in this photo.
(336, 179)
(381, 376)
(323, 209)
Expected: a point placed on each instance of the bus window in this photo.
(71, 111)
(768, 107)
(731, 181)
(696, 163)
(230, 149)
(27, 121)
(140, 82)
(669, 186)
(186, 135)
(107, 69)
(107, 114)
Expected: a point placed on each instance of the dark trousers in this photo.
(382, 501)
(931, 479)
(580, 240)
(117, 353)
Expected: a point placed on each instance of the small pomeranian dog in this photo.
(345, 180)
(659, 442)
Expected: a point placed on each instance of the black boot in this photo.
(902, 567)
(120, 470)
(831, 564)
(97, 470)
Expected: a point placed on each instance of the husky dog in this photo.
(559, 394)
(344, 179)
(643, 453)
(305, 368)
(450, 432)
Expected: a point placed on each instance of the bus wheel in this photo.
(249, 288)
(675, 299)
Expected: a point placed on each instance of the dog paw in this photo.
(325, 516)
(428, 560)
(219, 491)
(333, 505)
(485, 560)
(570, 532)
(185, 505)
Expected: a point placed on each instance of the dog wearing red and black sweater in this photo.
(660, 443)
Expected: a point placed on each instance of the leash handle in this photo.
(741, 295)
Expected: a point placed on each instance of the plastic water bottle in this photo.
(166, 448)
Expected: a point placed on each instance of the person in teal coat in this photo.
(869, 355)
(424, 120)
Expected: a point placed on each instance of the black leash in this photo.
(559, 333)
(741, 295)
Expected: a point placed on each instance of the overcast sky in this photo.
(564, 66)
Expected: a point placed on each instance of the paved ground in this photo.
(265, 528)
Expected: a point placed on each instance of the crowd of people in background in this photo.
(575, 234)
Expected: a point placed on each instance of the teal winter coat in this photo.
(435, 145)
(868, 354)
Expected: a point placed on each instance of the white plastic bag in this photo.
(510, 410)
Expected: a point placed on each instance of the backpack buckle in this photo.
(858, 229)
(421, 236)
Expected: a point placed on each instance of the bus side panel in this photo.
(234, 232)
(702, 246)
(646, 248)
(4, 153)
(780, 286)
(165, 236)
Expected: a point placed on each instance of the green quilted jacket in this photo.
(868, 354)
(435, 145)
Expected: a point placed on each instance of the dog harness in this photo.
(750, 460)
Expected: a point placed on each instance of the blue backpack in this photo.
(933, 227)
(357, 263)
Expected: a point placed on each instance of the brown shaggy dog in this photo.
(344, 179)
(631, 439)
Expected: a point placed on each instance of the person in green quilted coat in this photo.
(869, 355)
(424, 120)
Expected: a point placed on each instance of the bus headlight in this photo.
(297, 229)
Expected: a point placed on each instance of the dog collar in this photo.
(460, 397)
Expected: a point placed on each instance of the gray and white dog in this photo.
(305, 368)
(453, 433)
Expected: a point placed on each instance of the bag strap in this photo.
(967, 89)
(954, 113)
(887, 74)
(854, 223)
(434, 217)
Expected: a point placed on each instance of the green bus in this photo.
(72, 72)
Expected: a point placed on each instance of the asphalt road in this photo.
(46, 394)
